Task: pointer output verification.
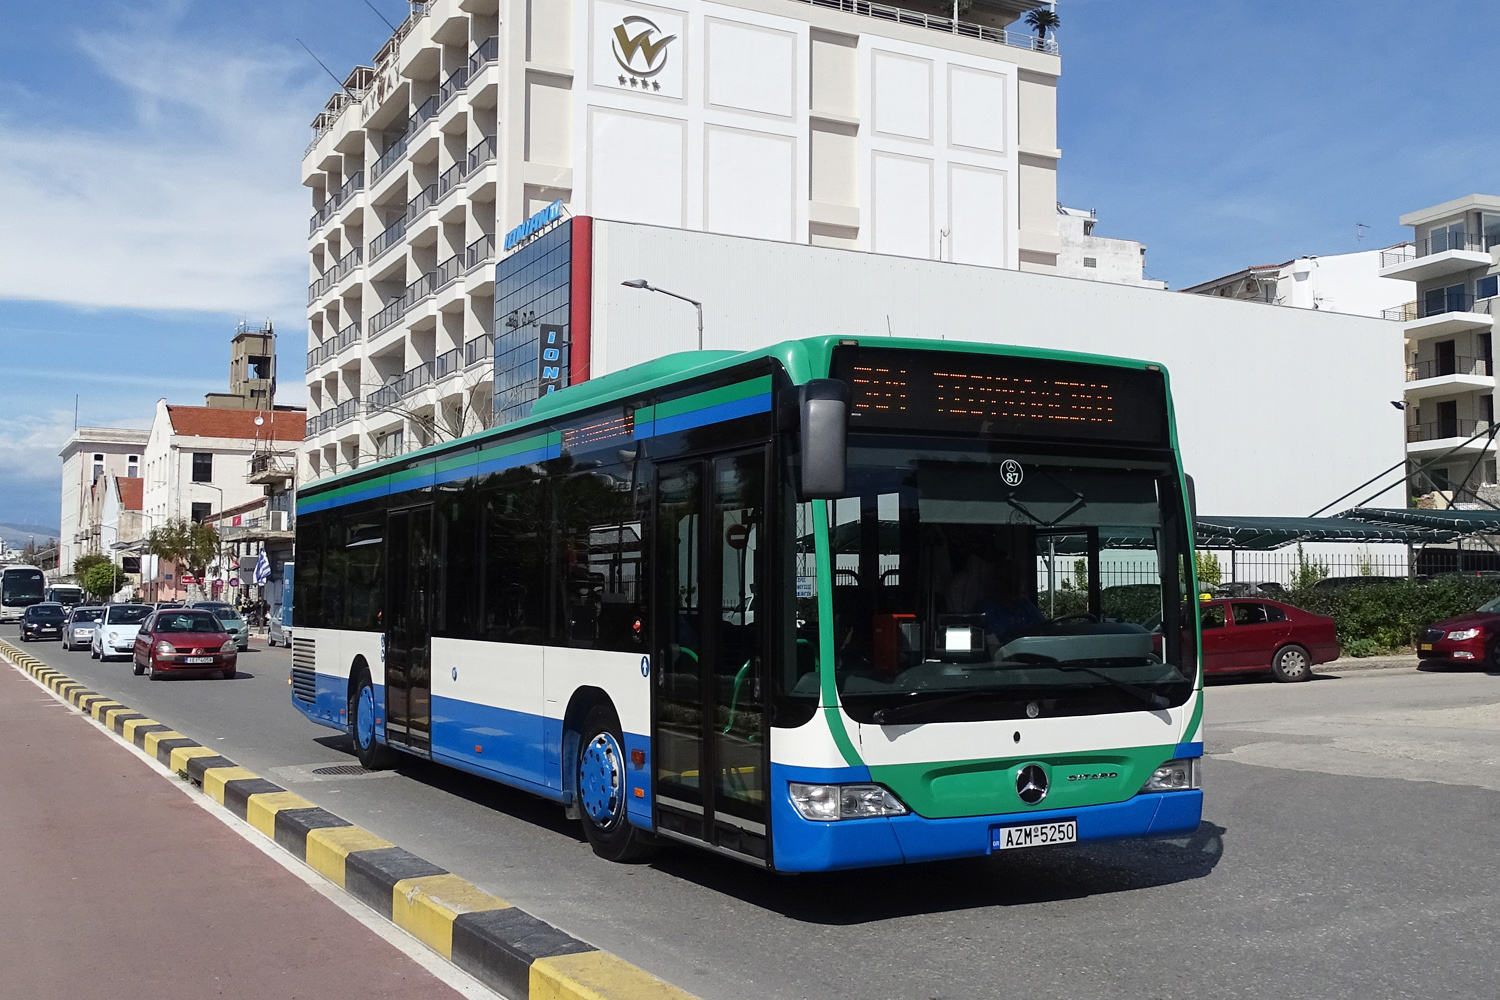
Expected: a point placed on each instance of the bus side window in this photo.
(515, 559)
(598, 562)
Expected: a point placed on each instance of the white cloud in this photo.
(193, 202)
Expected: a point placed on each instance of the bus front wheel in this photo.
(601, 785)
(372, 756)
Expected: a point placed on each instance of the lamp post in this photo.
(644, 284)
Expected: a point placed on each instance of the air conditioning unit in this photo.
(279, 520)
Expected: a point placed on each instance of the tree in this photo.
(1042, 19)
(102, 579)
(186, 543)
(1208, 567)
(86, 562)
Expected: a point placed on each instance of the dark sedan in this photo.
(43, 621)
(1468, 640)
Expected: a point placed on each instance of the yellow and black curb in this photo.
(505, 948)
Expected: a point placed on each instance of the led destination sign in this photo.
(1008, 396)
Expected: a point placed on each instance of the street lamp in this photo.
(644, 284)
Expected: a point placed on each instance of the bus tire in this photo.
(600, 779)
(1291, 663)
(372, 755)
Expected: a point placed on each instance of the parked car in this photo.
(1246, 635)
(277, 633)
(167, 604)
(1247, 588)
(184, 641)
(1468, 639)
(43, 621)
(231, 620)
(115, 634)
(79, 630)
(1347, 582)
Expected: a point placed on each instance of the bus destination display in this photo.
(1023, 397)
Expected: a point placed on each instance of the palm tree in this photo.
(1041, 19)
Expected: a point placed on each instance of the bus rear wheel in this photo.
(601, 784)
(372, 755)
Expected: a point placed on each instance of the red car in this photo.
(1466, 640)
(184, 641)
(1244, 635)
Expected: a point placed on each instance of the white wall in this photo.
(1346, 283)
(1279, 410)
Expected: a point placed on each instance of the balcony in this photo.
(1437, 256)
(1423, 370)
(389, 158)
(340, 198)
(484, 54)
(425, 199)
(345, 412)
(453, 86)
(425, 111)
(269, 469)
(1442, 313)
(340, 270)
(1462, 436)
(880, 11)
(449, 362)
(388, 238)
(476, 253)
(481, 348)
(1447, 376)
(384, 398)
(447, 272)
(347, 337)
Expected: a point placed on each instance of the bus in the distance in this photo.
(829, 604)
(21, 586)
(66, 594)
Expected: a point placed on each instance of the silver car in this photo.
(278, 634)
(78, 632)
(230, 619)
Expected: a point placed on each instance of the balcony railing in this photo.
(388, 238)
(426, 110)
(345, 412)
(317, 288)
(1016, 39)
(484, 54)
(446, 272)
(319, 354)
(481, 153)
(1444, 302)
(451, 178)
(453, 86)
(1404, 313)
(347, 337)
(1441, 429)
(348, 263)
(1448, 366)
(449, 362)
(417, 377)
(481, 348)
(478, 252)
(1398, 254)
(384, 398)
(389, 158)
(389, 316)
(425, 199)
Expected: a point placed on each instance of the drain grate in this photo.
(340, 769)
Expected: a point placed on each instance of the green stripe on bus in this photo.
(823, 558)
(713, 397)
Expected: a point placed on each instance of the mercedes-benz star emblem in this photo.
(1031, 784)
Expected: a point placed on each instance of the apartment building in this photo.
(832, 123)
(1351, 283)
(90, 455)
(1087, 255)
(1450, 373)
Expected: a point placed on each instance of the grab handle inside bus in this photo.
(825, 423)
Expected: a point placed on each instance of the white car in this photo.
(115, 636)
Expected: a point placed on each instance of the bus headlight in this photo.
(826, 803)
(1173, 776)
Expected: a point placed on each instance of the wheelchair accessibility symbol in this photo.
(1010, 472)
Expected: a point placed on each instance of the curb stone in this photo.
(502, 946)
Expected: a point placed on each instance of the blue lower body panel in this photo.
(805, 846)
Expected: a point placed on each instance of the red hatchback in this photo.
(1469, 640)
(1244, 635)
(184, 641)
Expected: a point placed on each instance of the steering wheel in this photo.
(1081, 616)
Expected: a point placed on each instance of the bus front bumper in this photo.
(805, 846)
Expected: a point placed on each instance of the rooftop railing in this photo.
(1015, 39)
(1440, 367)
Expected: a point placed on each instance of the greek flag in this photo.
(262, 569)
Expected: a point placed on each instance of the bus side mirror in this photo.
(1192, 492)
(825, 423)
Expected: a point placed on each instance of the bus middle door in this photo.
(408, 637)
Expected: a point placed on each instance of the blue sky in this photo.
(149, 152)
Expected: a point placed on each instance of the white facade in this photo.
(1099, 258)
(1279, 411)
(1449, 392)
(764, 118)
(171, 488)
(89, 455)
(1347, 283)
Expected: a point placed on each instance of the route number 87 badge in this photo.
(1010, 473)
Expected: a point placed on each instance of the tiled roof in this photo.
(208, 421)
(130, 490)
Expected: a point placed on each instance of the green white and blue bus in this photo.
(830, 604)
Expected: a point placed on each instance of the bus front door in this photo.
(408, 635)
(710, 740)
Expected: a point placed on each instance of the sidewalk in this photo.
(118, 884)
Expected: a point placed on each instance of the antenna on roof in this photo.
(327, 70)
(1358, 235)
(388, 24)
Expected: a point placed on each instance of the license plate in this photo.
(1006, 838)
(1426, 645)
(199, 659)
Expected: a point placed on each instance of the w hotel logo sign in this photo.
(638, 48)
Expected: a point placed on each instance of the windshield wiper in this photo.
(898, 712)
(1139, 693)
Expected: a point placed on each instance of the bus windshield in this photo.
(21, 586)
(972, 581)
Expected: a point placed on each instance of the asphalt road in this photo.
(1351, 848)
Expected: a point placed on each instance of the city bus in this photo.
(66, 594)
(21, 586)
(785, 605)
